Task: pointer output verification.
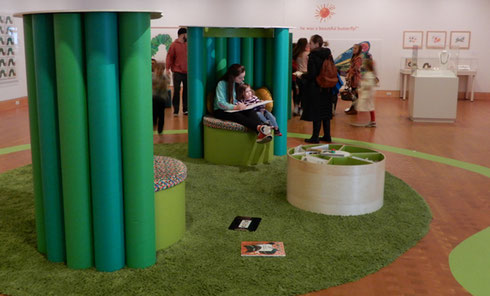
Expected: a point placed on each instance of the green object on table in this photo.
(280, 87)
(44, 61)
(137, 138)
(105, 139)
(34, 132)
(259, 62)
(235, 148)
(169, 216)
(248, 59)
(73, 133)
(196, 86)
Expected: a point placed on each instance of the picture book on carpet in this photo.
(263, 249)
(245, 223)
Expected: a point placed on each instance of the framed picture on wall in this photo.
(460, 39)
(412, 38)
(436, 39)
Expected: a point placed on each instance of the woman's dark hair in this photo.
(300, 47)
(233, 71)
(317, 39)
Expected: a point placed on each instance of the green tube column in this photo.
(105, 139)
(259, 62)
(137, 138)
(290, 72)
(196, 85)
(42, 29)
(34, 131)
(280, 87)
(210, 66)
(221, 60)
(248, 59)
(73, 129)
(269, 63)
(233, 51)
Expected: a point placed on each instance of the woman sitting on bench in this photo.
(226, 100)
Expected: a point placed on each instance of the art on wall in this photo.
(412, 39)
(460, 40)
(8, 48)
(436, 39)
(161, 38)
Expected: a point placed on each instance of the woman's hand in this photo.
(240, 106)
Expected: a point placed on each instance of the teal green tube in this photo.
(248, 59)
(73, 128)
(290, 72)
(280, 88)
(259, 62)
(105, 139)
(233, 51)
(196, 85)
(221, 60)
(210, 66)
(269, 62)
(137, 138)
(34, 131)
(42, 29)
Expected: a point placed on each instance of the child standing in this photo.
(246, 95)
(365, 103)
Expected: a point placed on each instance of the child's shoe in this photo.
(264, 135)
(277, 133)
(371, 124)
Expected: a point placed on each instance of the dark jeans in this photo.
(248, 118)
(158, 113)
(326, 129)
(179, 78)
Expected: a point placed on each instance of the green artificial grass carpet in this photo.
(321, 251)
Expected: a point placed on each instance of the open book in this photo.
(263, 249)
(250, 106)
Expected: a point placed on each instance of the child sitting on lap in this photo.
(246, 95)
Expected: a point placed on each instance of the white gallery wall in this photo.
(381, 22)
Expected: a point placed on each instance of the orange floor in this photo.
(459, 199)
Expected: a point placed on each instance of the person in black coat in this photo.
(317, 105)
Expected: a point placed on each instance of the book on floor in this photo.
(263, 249)
(245, 223)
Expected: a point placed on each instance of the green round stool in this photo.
(170, 175)
(230, 143)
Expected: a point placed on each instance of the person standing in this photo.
(354, 74)
(365, 103)
(317, 102)
(177, 63)
(300, 58)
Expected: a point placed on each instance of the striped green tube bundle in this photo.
(89, 86)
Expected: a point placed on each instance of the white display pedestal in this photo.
(433, 96)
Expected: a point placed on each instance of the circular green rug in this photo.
(321, 251)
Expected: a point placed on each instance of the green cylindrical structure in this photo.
(196, 91)
(210, 73)
(137, 138)
(233, 51)
(105, 139)
(248, 59)
(269, 62)
(34, 131)
(221, 60)
(259, 62)
(42, 25)
(290, 71)
(73, 133)
(280, 87)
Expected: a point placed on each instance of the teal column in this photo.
(269, 62)
(259, 62)
(42, 27)
(280, 87)
(34, 131)
(248, 59)
(73, 128)
(195, 83)
(221, 54)
(210, 73)
(290, 72)
(137, 138)
(233, 51)
(105, 139)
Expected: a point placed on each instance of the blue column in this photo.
(233, 51)
(280, 87)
